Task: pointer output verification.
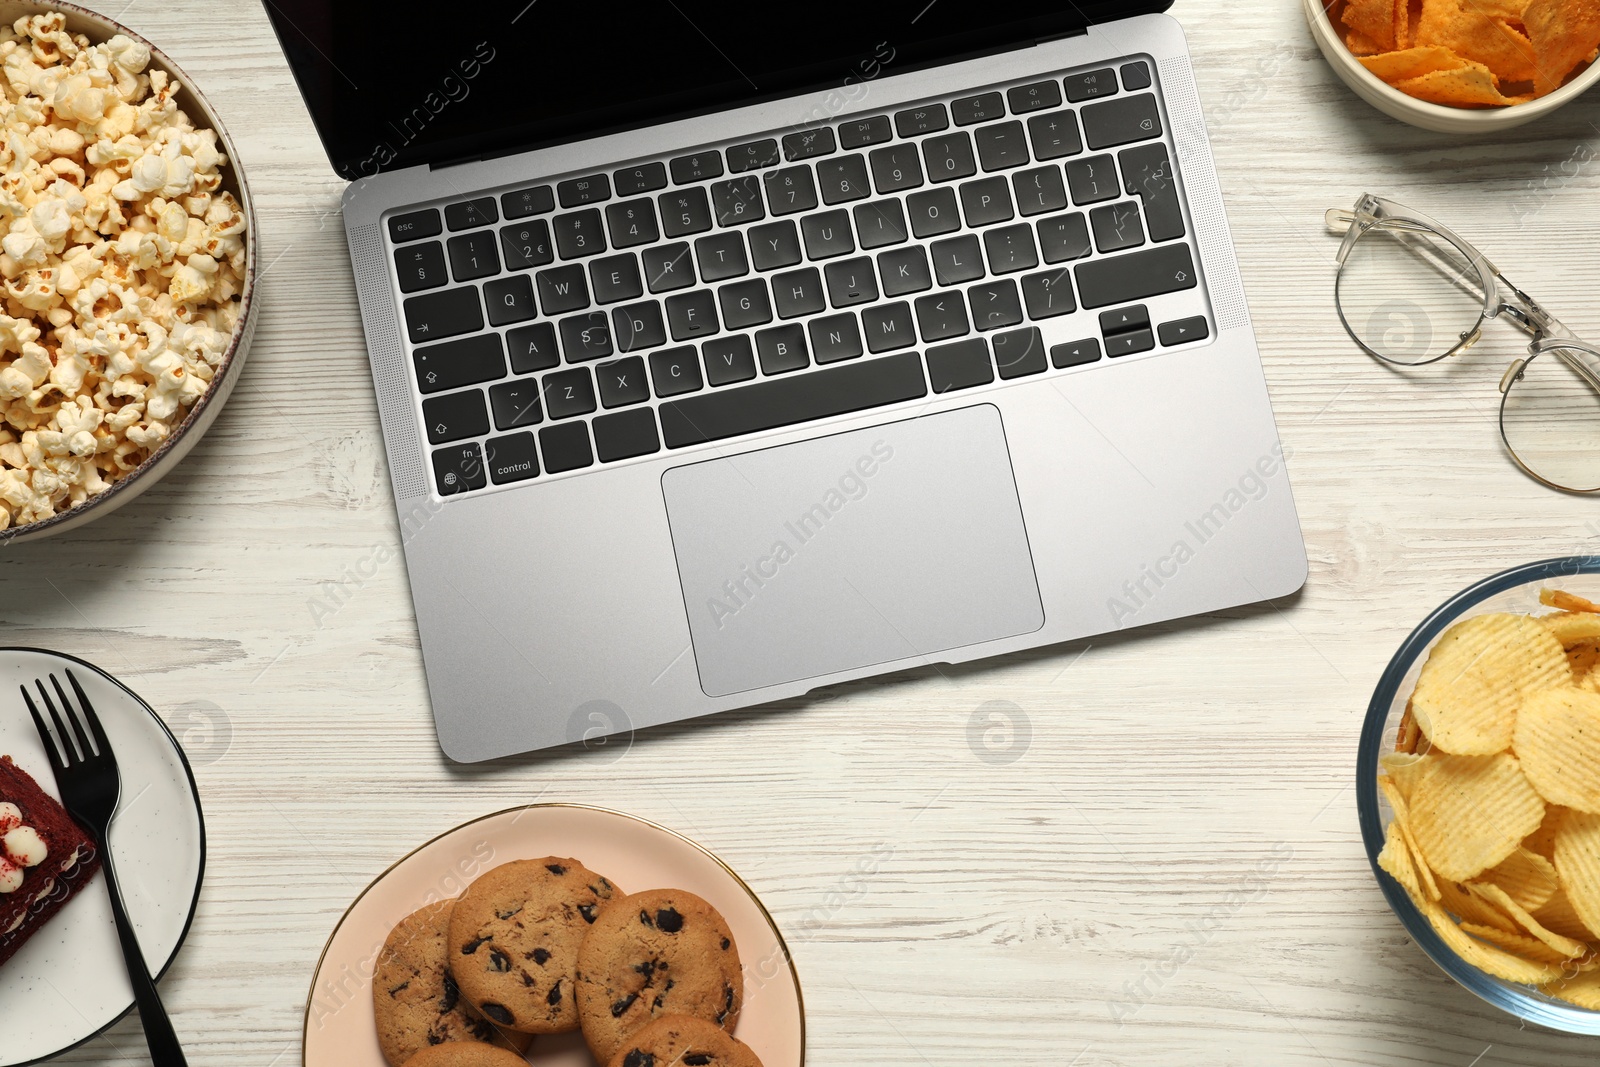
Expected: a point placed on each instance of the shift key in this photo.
(1135, 276)
(444, 314)
(456, 363)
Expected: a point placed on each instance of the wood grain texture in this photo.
(944, 909)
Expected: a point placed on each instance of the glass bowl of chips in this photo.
(1478, 790)
(1460, 66)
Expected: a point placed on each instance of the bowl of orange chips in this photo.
(1461, 66)
(1478, 787)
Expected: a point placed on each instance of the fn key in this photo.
(458, 469)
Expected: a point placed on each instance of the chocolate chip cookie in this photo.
(414, 998)
(684, 1041)
(467, 1054)
(662, 952)
(514, 938)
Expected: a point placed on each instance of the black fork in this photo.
(90, 785)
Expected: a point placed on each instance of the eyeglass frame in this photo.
(1500, 297)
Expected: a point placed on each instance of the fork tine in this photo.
(69, 754)
(75, 718)
(44, 732)
(102, 746)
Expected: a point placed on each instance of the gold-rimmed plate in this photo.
(340, 1030)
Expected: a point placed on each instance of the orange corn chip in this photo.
(1564, 33)
(1472, 32)
(1470, 86)
(1374, 20)
(1395, 67)
(1361, 45)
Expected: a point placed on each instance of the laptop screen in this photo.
(390, 90)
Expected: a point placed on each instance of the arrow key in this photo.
(1182, 331)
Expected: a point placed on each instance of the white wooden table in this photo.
(944, 908)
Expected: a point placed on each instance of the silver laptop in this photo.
(724, 356)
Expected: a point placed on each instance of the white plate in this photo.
(68, 983)
(340, 1030)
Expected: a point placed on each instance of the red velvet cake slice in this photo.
(44, 858)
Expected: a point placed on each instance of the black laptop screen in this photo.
(390, 89)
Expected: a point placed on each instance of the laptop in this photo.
(722, 356)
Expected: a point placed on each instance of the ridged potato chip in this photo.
(1402, 816)
(1564, 33)
(1582, 990)
(1395, 858)
(1577, 859)
(1559, 915)
(1404, 770)
(1518, 944)
(1477, 675)
(1543, 840)
(1487, 958)
(1557, 740)
(1567, 946)
(1527, 878)
(1470, 812)
(1469, 907)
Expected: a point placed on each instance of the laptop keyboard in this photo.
(789, 278)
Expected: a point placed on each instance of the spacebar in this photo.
(785, 401)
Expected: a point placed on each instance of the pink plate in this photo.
(340, 1030)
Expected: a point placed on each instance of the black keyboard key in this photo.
(684, 212)
(1035, 97)
(782, 349)
(585, 337)
(1092, 180)
(839, 390)
(512, 458)
(1126, 344)
(1048, 293)
(1135, 76)
(1133, 118)
(697, 167)
(1054, 135)
(986, 201)
(622, 382)
(509, 300)
(738, 201)
(692, 316)
(589, 189)
(1122, 320)
(668, 267)
(414, 225)
(637, 326)
(568, 393)
(1091, 84)
(459, 469)
(942, 315)
(827, 234)
(896, 167)
(471, 213)
(1136, 275)
(533, 348)
(745, 304)
(675, 371)
(516, 404)
(1010, 248)
(777, 244)
(970, 109)
(721, 256)
(880, 223)
(858, 133)
(1039, 191)
(473, 256)
(632, 222)
(456, 363)
(930, 118)
(798, 292)
(994, 304)
(1116, 226)
(565, 447)
(851, 282)
(1183, 331)
(1064, 238)
(625, 434)
(959, 366)
(729, 359)
(454, 416)
(580, 234)
(905, 270)
(1076, 353)
(843, 179)
(526, 244)
(791, 189)
(520, 203)
(834, 338)
(753, 155)
(949, 157)
(809, 143)
(888, 327)
(1002, 146)
(420, 267)
(615, 278)
(435, 315)
(562, 289)
(1018, 353)
(645, 178)
(957, 259)
(1147, 173)
(933, 212)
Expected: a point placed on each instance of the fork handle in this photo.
(165, 1051)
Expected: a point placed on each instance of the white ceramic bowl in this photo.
(1393, 102)
(199, 417)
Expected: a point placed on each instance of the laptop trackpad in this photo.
(896, 541)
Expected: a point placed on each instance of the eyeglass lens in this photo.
(1550, 419)
(1407, 295)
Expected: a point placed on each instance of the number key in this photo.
(843, 179)
(472, 255)
(633, 222)
(791, 189)
(685, 211)
(580, 234)
(526, 245)
(896, 167)
(420, 267)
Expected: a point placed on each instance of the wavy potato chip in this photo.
(1564, 33)
(1526, 877)
(1567, 946)
(1404, 770)
(1570, 627)
(1557, 740)
(1395, 858)
(1577, 860)
(1468, 813)
(1485, 957)
(1401, 823)
(1469, 907)
(1479, 35)
(1518, 944)
(1582, 990)
(1543, 840)
(1477, 675)
(1559, 915)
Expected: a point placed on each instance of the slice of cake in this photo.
(44, 858)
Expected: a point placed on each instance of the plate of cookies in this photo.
(558, 935)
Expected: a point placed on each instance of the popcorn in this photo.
(121, 264)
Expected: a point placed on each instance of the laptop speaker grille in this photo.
(388, 363)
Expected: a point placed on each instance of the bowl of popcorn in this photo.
(1460, 66)
(126, 261)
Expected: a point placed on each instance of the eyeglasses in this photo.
(1410, 292)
